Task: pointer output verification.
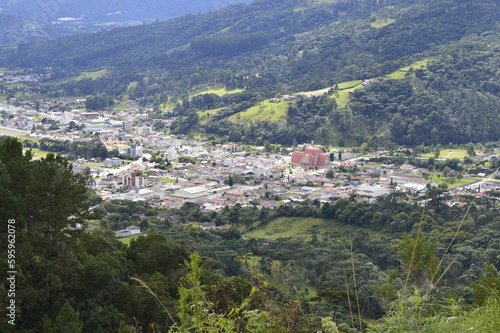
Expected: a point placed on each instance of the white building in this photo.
(191, 192)
(128, 231)
(112, 162)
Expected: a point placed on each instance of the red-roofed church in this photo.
(311, 157)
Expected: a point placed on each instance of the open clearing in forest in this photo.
(83, 75)
(380, 23)
(304, 228)
(219, 91)
(205, 115)
(266, 110)
(128, 239)
(449, 154)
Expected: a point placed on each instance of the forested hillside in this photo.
(276, 48)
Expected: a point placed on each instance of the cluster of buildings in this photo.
(223, 175)
(19, 78)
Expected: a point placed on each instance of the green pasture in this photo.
(265, 110)
(83, 75)
(167, 180)
(127, 240)
(219, 91)
(303, 228)
(380, 23)
(349, 84)
(449, 154)
(455, 183)
(92, 75)
(342, 97)
(14, 133)
(402, 72)
(17, 84)
(120, 107)
(205, 115)
(373, 165)
(37, 153)
(299, 9)
(22, 138)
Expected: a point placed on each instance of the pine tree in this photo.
(68, 320)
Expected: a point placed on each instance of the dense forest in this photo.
(274, 48)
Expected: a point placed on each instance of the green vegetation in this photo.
(268, 111)
(167, 180)
(304, 229)
(282, 277)
(250, 54)
(205, 115)
(407, 70)
(37, 153)
(380, 23)
(296, 264)
(94, 75)
(128, 239)
(349, 84)
(219, 91)
(342, 97)
(449, 154)
(120, 107)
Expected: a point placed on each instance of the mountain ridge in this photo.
(271, 48)
(56, 18)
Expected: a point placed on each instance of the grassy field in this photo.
(127, 240)
(457, 182)
(449, 154)
(205, 115)
(401, 73)
(120, 107)
(373, 165)
(342, 97)
(382, 23)
(83, 75)
(219, 91)
(349, 84)
(92, 75)
(38, 153)
(14, 133)
(302, 228)
(262, 111)
(167, 180)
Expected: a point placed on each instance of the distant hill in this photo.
(25, 20)
(271, 48)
